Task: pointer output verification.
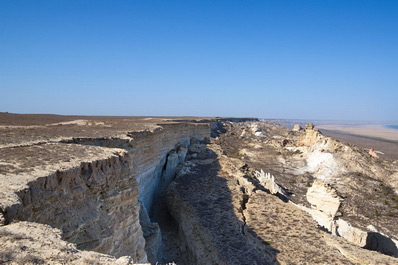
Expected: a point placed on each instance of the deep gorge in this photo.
(189, 192)
(109, 205)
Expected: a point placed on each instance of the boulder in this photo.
(324, 198)
(350, 233)
(297, 128)
(311, 136)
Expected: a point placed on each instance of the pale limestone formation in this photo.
(350, 233)
(356, 254)
(268, 181)
(247, 219)
(311, 136)
(93, 202)
(91, 188)
(324, 198)
(326, 204)
(104, 192)
(321, 218)
(297, 128)
(224, 217)
(256, 130)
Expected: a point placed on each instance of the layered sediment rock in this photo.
(92, 193)
(311, 136)
(324, 198)
(164, 192)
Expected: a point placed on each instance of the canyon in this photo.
(127, 190)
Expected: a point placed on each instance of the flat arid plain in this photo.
(371, 131)
(383, 139)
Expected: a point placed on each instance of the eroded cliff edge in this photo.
(230, 211)
(90, 179)
(139, 189)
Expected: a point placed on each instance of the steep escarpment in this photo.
(94, 189)
(94, 204)
(124, 190)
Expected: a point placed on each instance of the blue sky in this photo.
(274, 59)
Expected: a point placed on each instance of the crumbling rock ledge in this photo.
(93, 188)
(209, 213)
(151, 189)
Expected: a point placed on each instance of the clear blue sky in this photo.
(273, 59)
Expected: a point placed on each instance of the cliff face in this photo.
(148, 189)
(95, 205)
(94, 188)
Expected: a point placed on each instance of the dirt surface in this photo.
(241, 198)
(369, 131)
(22, 243)
(389, 149)
(28, 129)
(21, 165)
(18, 129)
(12, 119)
(218, 195)
(79, 174)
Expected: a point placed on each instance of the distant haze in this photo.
(291, 122)
(319, 60)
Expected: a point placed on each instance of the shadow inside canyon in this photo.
(215, 205)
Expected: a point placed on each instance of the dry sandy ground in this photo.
(367, 138)
(372, 131)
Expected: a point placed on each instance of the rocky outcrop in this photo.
(92, 189)
(152, 235)
(353, 188)
(350, 233)
(311, 136)
(268, 182)
(256, 131)
(326, 203)
(372, 153)
(95, 204)
(225, 216)
(169, 194)
(297, 128)
(324, 198)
